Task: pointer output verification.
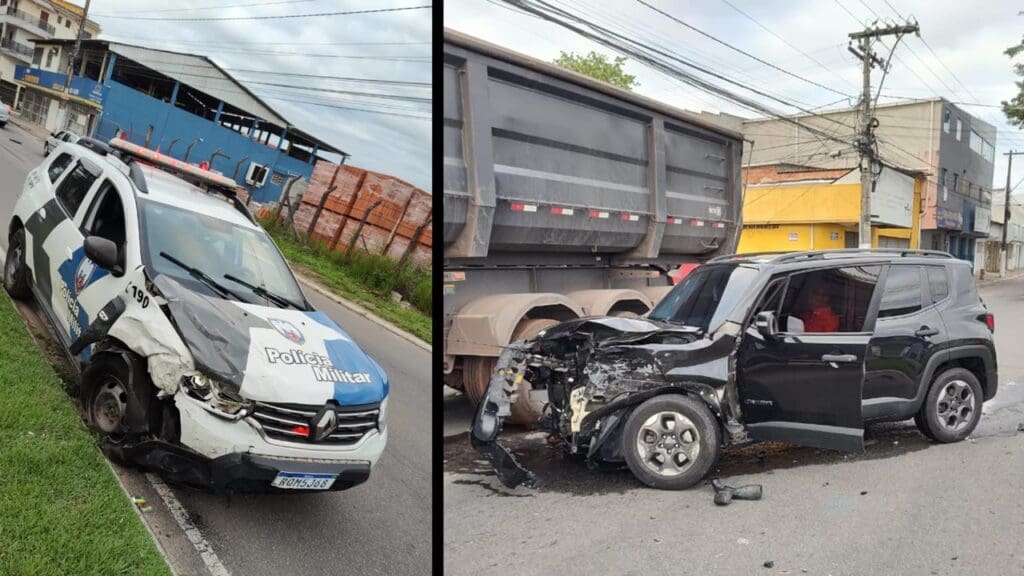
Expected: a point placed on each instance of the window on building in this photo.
(959, 129)
(60, 19)
(832, 300)
(49, 57)
(945, 121)
(73, 188)
(902, 293)
(956, 182)
(988, 152)
(44, 16)
(277, 179)
(37, 56)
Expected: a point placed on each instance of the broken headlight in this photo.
(382, 421)
(216, 398)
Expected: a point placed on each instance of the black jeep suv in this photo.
(801, 347)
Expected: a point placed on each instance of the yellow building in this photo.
(788, 208)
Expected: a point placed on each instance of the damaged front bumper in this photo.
(236, 471)
(494, 407)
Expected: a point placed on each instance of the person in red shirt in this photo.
(819, 316)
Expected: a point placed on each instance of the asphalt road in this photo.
(904, 506)
(380, 527)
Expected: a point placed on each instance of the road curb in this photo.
(356, 308)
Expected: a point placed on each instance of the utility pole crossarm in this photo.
(887, 31)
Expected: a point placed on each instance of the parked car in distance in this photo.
(55, 139)
(5, 114)
(804, 348)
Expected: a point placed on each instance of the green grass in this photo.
(367, 279)
(61, 508)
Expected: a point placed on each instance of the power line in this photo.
(213, 7)
(342, 78)
(225, 43)
(787, 42)
(279, 17)
(744, 52)
(641, 51)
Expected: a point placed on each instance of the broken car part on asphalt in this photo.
(725, 494)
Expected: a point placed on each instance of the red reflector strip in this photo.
(559, 211)
(599, 214)
(630, 217)
(520, 207)
(301, 430)
(674, 220)
(696, 222)
(718, 224)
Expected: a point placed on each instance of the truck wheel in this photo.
(16, 273)
(476, 374)
(526, 412)
(671, 441)
(952, 407)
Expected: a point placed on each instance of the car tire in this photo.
(46, 149)
(952, 407)
(662, 457)
(16, 272)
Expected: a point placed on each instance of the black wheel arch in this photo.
(979, 359)
(604, 444)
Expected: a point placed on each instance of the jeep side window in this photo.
(902, 293)
(106, 215)
(73, 188)
(58, 166)
(938, 283)
(832, 300)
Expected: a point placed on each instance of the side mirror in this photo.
(104, 253)
(766, 324)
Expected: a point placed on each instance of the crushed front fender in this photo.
(493, 409)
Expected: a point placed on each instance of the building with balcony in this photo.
(183, 105)
(954, 150)
(22, 22)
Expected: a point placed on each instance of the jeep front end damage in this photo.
(594, 372)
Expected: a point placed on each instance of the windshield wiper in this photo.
(202, 277)
(261, 291)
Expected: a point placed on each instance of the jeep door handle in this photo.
(925, 331)
(838, 358)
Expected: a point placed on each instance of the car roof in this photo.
(167, 188)
(827, 257)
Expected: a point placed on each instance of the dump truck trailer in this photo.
(565, 197)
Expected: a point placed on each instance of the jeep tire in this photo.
(671, 441)
(952, 407)
(16, 273)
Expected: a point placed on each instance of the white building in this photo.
(1014, 236)
(21, 22)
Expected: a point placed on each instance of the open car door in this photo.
(801, 380)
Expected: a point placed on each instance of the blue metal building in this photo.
(183, 104)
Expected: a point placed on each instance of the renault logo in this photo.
(324, 423)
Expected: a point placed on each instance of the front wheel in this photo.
(16, 274)
(671, 441)
(952, 407)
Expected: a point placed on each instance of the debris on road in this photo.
(724, 494)
(769, 563)
(142, 505)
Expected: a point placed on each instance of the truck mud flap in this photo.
(494, 408)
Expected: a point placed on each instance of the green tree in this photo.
(1014, 108)
(598, 66)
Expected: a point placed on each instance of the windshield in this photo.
(216, 247)
(705, 297)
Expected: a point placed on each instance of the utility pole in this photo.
(1004, 248)
(866, 140)
(71, 65)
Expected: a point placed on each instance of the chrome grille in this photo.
(278, 421)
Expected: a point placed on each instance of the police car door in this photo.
(60, 245)
(105, 217)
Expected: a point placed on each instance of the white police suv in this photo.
(200, 356)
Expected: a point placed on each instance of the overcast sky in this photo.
(968, 38)
(391, 144)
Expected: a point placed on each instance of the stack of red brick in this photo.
(391, 225)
